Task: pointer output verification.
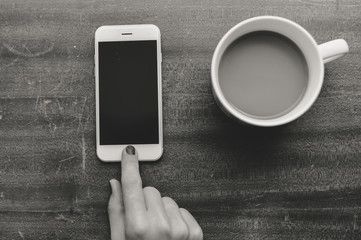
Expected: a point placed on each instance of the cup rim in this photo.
(221, 100)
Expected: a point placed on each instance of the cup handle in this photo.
(332, 50)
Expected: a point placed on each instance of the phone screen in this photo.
(128, 92)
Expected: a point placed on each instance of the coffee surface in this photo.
(263, 74)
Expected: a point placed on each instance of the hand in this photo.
(142, 214)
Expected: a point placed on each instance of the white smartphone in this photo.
(128, 84)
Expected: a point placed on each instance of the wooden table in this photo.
(299, 181)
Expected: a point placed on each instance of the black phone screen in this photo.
(128, 92)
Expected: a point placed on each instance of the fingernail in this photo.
(130, 150)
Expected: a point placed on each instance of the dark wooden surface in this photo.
(300, 181)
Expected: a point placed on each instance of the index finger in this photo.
(133, 197)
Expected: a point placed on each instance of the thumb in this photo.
(116, 211)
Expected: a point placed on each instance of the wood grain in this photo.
(299, 181)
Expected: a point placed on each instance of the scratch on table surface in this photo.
(81, 22)
(21, 234)
(67, 159)
(41, 106)
(56, 87)
(37, 101)
(29, 54)
(318, 2)
(9, 64)
(69, 143)
(81, 113)
(61, 161)
(61, 217)
(86, 123)
(83, 148)
(355, 226)
(329, 2)
(59, 106)
(27, 124)
(57, 171)
(1, 194)
(27, 49)
(47, 101)
(53, 126)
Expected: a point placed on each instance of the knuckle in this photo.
(132, 181)
(151, 190)
(114, 207)
(183, 211)
(179, 236)
(197, 233)
(169, 202)
(164, 229)
(137, 230)
(180, 232)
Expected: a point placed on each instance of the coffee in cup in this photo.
(263, 74)
(268, 71)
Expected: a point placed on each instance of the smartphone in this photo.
(128, 85)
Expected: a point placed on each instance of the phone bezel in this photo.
(146, 152)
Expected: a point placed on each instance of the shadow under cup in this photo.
(266, 71)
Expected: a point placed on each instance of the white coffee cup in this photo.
(316, 56)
